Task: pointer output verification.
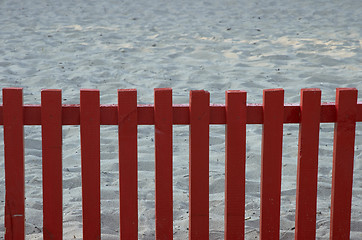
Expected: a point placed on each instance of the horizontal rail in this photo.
(181, 116)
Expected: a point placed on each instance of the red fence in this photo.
(199, 114)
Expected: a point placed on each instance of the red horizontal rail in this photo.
(145, 113)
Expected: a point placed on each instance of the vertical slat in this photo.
(199, 165)
(307, 172)
(14, 163)
(51, 121)
(127, 137)
(271, 165)
(343, 154)
(90, 155)
(163, 155)
(235, 164)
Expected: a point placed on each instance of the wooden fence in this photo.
(199, 114)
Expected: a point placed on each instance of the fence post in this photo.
(90, 155)
(127, 138)
(235, 108)
(343, 155)
(163, 162)
(14, 163)
(199, 165)
(307, 171)
(51, 128)
(271, 163)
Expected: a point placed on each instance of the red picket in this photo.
(271, 163)
(14, 163)
(51, 128)
(343, 156)
(90, 156)
(307, 171)
(199, 165)
(163, 162)
(127, 137)
(235, 164)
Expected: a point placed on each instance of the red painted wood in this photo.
(14, 163)
(51, 118)
(235, 142)
(163, 161)
(70, 114)
(346, 112)
(127, 137)
(343, 156)
(199, 166)
(90, 155)
(307, 173)
(271, 163)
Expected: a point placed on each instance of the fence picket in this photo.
(14, 163)
(271, 163)
(343, 156)
(90, 155)
(127, 137)
(163, 161)
(307, 171)
(235, 164)
(199, 165)
(51, 123)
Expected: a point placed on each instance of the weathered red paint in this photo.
(343, 156)
(199, 166)
(51, 130)
(163, 161)
(235, 141)
(127, 138)
(90, 157)
(307, 171)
